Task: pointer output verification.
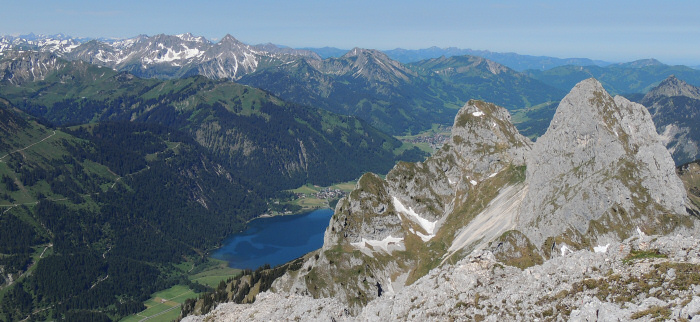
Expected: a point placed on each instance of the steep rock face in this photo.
(387, 233)
(675, 108)
(600, 159)
(18, 67)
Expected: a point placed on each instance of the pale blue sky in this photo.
(607, 30)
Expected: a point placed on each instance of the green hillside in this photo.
(95, 217)
(277, 144)
(400, 99)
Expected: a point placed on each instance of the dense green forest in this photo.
(85, 243)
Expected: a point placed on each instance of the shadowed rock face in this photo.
(600, 154)
(675, 108)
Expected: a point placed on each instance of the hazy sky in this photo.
(608, 30)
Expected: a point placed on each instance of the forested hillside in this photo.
(100, 214)
(267, 140)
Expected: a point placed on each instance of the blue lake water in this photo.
(275, 240)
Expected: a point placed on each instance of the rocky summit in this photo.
(495, 226)
(599, 172)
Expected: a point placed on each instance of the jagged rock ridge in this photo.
(163, 56)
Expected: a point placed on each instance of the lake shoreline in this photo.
(274, 239)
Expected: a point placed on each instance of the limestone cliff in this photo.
(599, 172)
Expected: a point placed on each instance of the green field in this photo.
(217, 272)
(310, 201)
(164, 305)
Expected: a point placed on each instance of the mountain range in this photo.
(625, 78)
(278, 144)
(124, 162)
(399, 98)
(395, 97)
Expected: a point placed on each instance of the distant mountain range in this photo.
(512, 60)
(395, 97)
(275, 143)
(399, 98)
(163, 56)
(634, 77)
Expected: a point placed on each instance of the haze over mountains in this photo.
(124, 162)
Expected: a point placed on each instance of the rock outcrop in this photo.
(388, 233)
(644, 277)
(599, 172)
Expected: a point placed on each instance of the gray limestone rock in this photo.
(600, 160)
(579, 286)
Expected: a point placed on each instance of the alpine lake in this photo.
(275, 240)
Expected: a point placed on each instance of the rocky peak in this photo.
(229, 40)
(18, 67)
(485, 140)
(355, 52)
(373, 65)
(394, 223)
(600, 161)
(671, 87)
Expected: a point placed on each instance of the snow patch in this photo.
(479, 113)
(493, 174)
(473, 182)
(601, 249)
(383, 244)
(427, 225)
(640, 232)
(565, 249)
(425, 238)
